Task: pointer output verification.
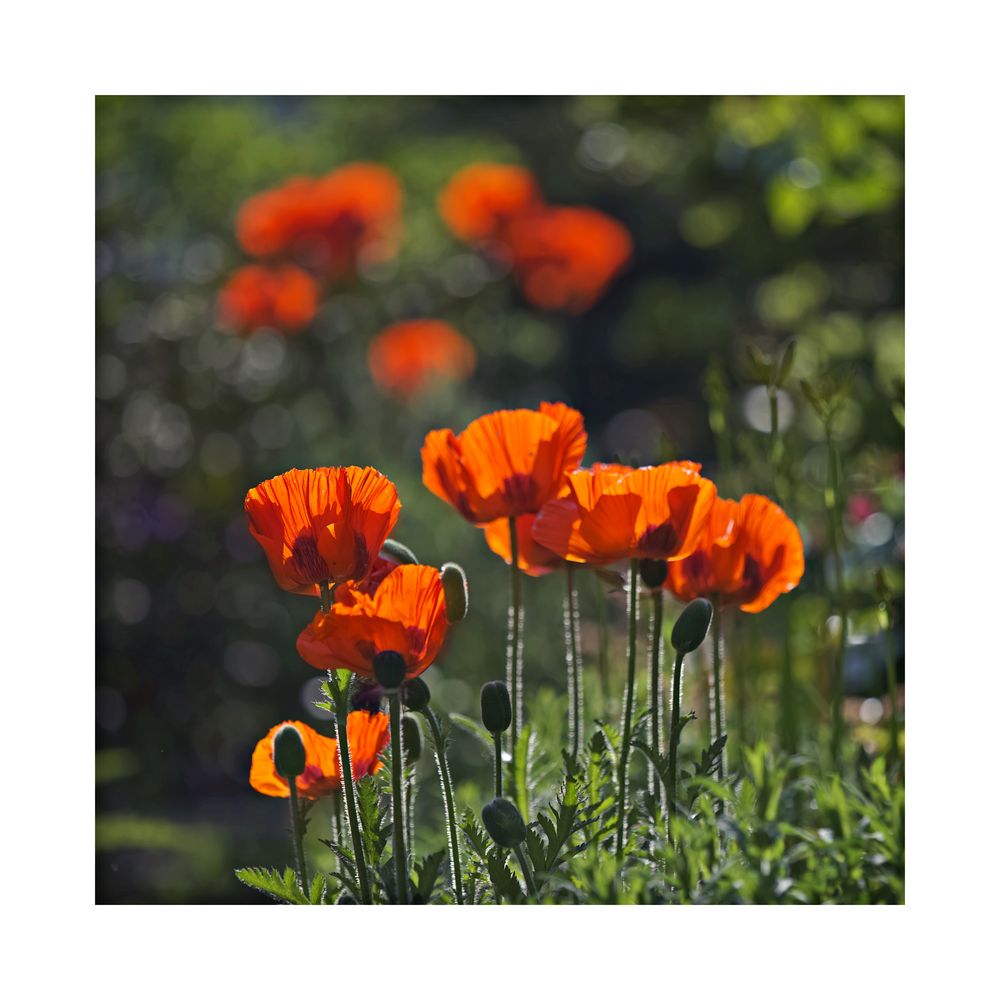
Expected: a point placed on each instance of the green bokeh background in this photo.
(754, 220)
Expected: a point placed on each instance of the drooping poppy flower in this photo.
(404, 357)
(281, 296)
(505, 463)
(613, 512)
(480, 201)
(565, 257)
(532, 558)
(749, 554)
(404, 614)
(367, 737)
(327, 223)
(320, 525)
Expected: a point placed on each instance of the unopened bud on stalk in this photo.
(398, 552)
(503, 822)
(413, 739)
(289, 752)
(692, 626)
(456, 591)
(494, 700)
(653, 572)
(416, 694)
(390, 669)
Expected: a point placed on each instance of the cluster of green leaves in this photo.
(776, 830)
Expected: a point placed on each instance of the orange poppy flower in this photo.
(532, 558)
(405, 614)
(613, 512)
(328, 223)
(283, 296)
(324, 524)
(367, 736)
(565, 257)
(481, 200)
(505, 463)
(403, 357)
(749, 554)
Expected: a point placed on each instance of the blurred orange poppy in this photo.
(481, 200)
(749, 554)
(328, 223)
(565, 257)
(319, 525)
(282, 296)
(613, 512)
(505, 463)
(532, 558)
(405, 613)
(405, 356)
(367, 737)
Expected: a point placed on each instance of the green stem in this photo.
(602, 644)
(833, 507)
(574, 681)
(350, 800)
(890, 675)
(449, 800)
(529, 879)
(497, 767)
(514, 667)
(675, 739)
(772, 395)
(633, 614)
(720, 719)
(655, 689)
(297, 849)
(398, 819)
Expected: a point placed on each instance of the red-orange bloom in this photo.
(749, 554)
(505, 463)
(324, 524)
(614, 512)
(405, 614)
(405, 356)
(532, 558)
(565, 257)
(283, 296)
(328, 223)
(481, 200)
(367, 736)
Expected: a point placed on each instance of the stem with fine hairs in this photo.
(574, 680)
(655, 688)
(449, 799)
(626, 739)
(514, 667)
(890, 676)
(398, 818)
(497, 767)
(675, 739)
(720, 720)
(296, 817)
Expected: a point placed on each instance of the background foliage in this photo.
(754, 220)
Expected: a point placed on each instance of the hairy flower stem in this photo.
(602, 644)
(514, 666)
(719, 716)
(633, 614)
(529, 879)
(350, 799)
(449, 799)
(890, 676)
(497, 767)
(574, 680)
(833, 507)
(655, 688)
(675, 739)
(398, 817)
(297, 849)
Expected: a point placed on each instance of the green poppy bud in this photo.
(390, 669)
(416, 694)
(456, 591)
(653, 572)
(289, 752)
(494, 700)
(503, 822)
(398, 552)
(691, 627)
(413, 739)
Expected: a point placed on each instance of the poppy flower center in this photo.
(520, 490)
(308, 563)
(660, 538)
